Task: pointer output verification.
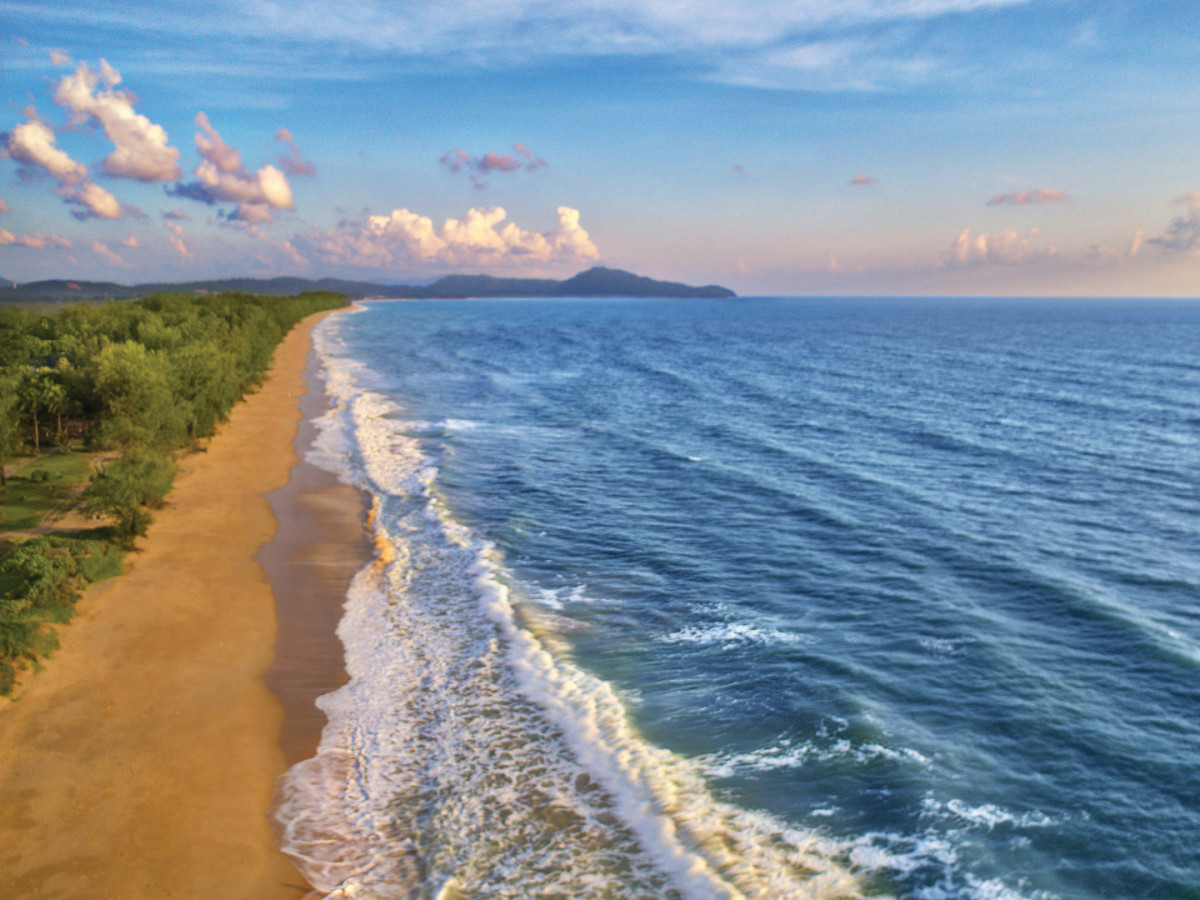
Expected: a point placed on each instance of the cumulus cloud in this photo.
(861, 180)
(33, 145)
(131, 241)
(1003, 248)
(293, 161)
(222, 177)
(520, 158)
(94, 202)
(1183, 234)
(405, 238)
(1024, 198)
(35, 241)
(141, 151)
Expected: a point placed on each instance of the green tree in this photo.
(125, 488)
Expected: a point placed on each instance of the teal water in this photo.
(766, 598)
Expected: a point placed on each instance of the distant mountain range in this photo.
(595, 282)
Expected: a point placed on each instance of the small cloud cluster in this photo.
(1024, 198)
(1003, 248)
(222, 177)
(520, 158)
(141, 151)
(293, 161)
(1183, 234)
(34, 146)
(35, 241)
(405, 238)
(140, 148)
(861, 180)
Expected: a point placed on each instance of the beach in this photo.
(141, 761)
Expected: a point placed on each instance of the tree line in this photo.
(141, 380)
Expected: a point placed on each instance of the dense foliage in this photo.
(139, 380)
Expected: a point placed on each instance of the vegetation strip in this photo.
(133, 384)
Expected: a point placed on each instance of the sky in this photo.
(908, 147)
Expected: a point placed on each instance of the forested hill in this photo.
(595, 282)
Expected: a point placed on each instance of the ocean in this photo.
(764, 598)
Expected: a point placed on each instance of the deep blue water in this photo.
(916, 579)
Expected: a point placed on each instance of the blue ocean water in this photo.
(765, 598)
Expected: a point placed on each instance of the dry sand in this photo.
(141, 761)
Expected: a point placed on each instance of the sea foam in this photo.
(468, 757)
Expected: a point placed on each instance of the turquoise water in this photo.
(766, 598)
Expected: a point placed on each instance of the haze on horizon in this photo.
(802, 147)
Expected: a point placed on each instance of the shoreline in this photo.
(141, 760)
(320, 545)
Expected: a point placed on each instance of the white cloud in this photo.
(34, 144)
(405, 238)
(141, 149)
(1003, 248)
(221, 176)
(844, 44)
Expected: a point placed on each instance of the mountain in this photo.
(595, 282)
(602, 282)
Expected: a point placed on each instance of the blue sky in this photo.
(785, 146)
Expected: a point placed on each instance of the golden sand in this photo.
(141, 762)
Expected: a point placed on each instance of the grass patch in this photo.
(40, 487)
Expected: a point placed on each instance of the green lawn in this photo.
(41, 486)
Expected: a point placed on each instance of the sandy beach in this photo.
(141, 761)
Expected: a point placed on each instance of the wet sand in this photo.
(141, 762)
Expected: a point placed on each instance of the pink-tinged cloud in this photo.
(141, 151)
(130, 241)
(861, 180)
(293, 161)
(3, 207)
(60, 58)
(213, 148)
(520, 158)
(222, 177)
(176, 214)
(405, 239)
(175, 237)
(1024, 198)
(35, 241)
(101, 249)
(1003, 248)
